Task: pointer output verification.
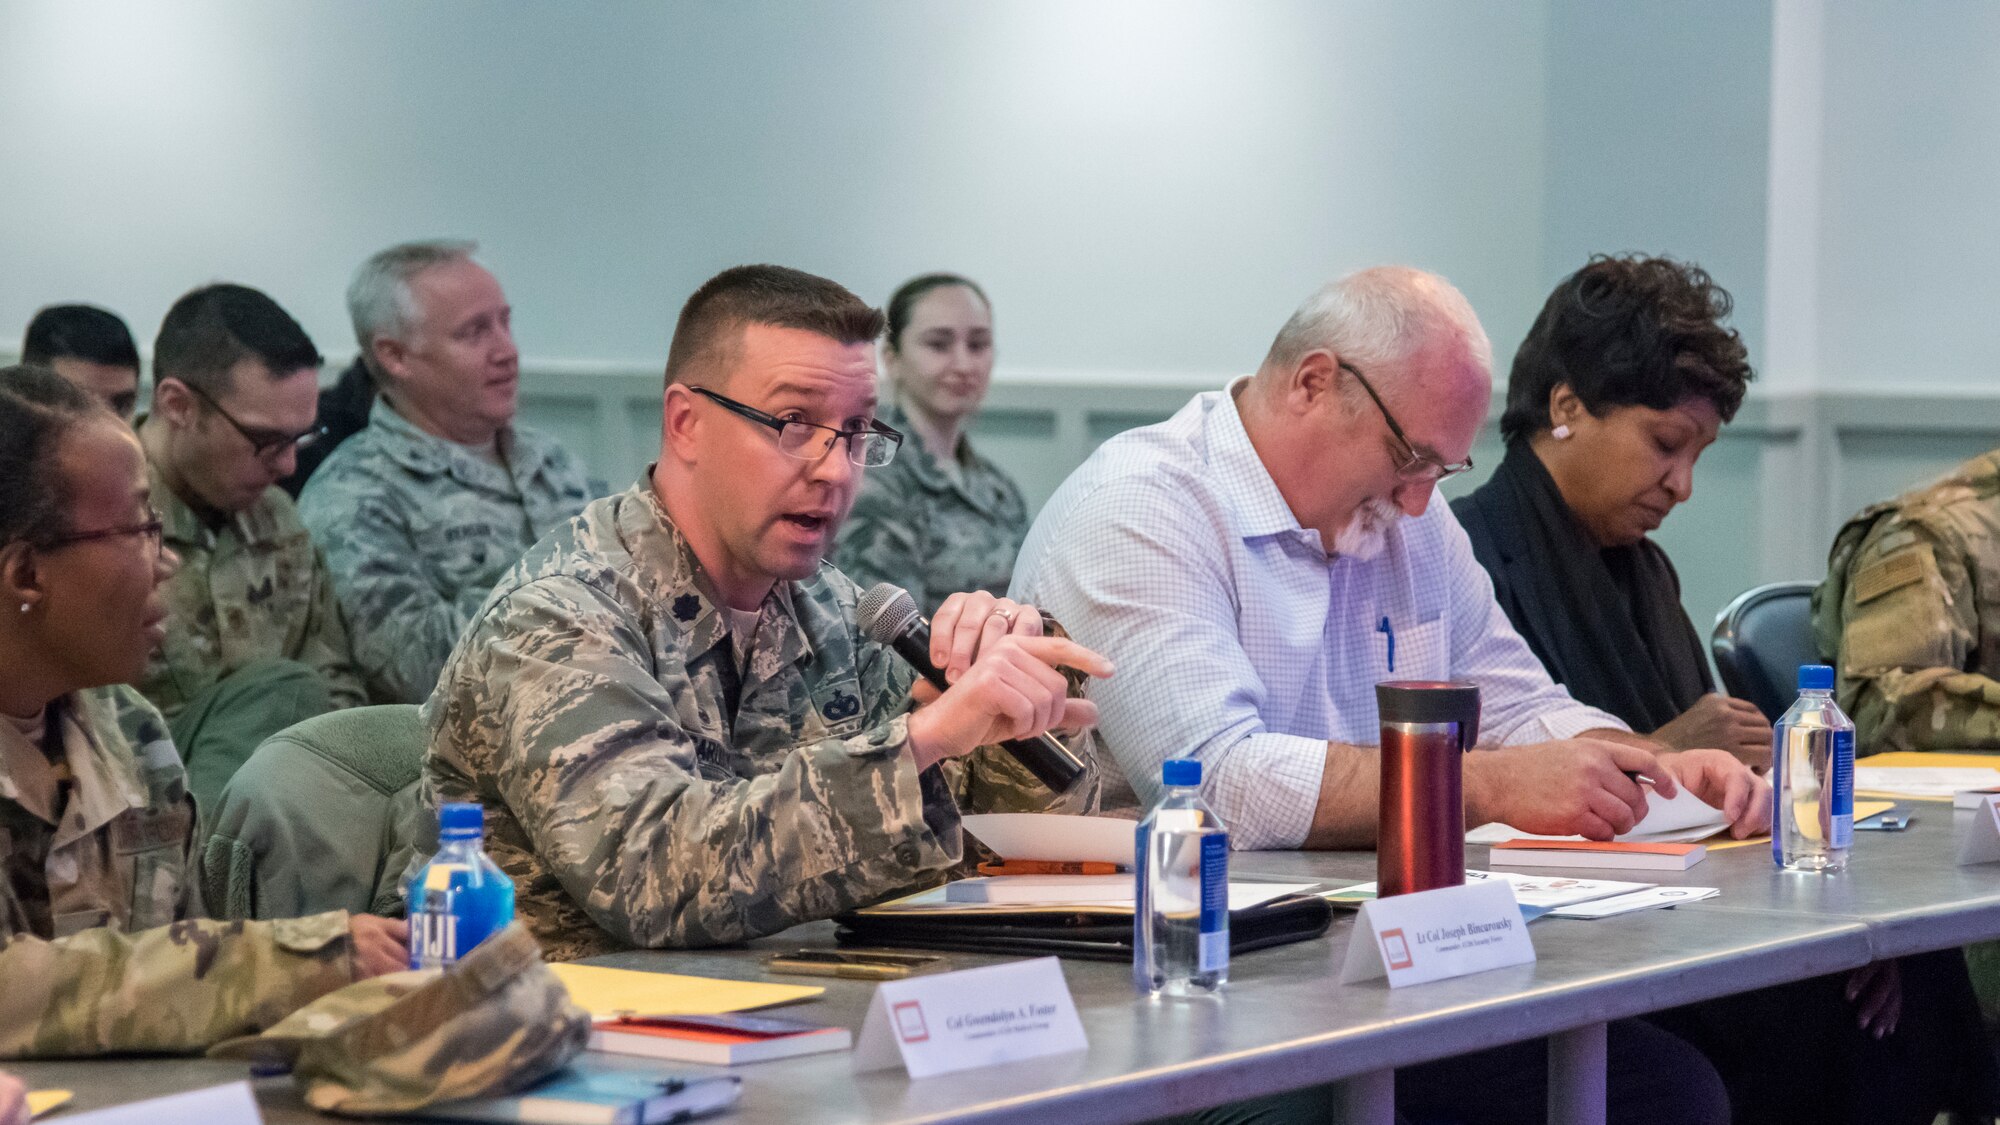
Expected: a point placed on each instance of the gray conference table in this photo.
(1286, 1023)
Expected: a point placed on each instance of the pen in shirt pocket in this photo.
(1390, 633)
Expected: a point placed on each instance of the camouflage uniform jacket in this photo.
(1910, 615)
(916, 526)
(417, 529)
(256, 589)
(639, 795)
(94, 953)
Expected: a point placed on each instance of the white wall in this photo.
(1910, 196)
(1145, 186)
(1658, 119)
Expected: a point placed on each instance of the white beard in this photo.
(1367, 530)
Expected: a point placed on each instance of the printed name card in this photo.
(1981, 842)
(976, 1017)
(1433, 935)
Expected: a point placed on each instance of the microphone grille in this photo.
(885, 612)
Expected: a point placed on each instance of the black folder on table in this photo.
(1069, 931)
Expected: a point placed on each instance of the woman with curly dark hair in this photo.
(1626, 377)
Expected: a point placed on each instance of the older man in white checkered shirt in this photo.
(1257, 563)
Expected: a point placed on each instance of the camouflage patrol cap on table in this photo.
(494, 1023)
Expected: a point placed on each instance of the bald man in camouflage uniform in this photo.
(95, 949)
(678, 732)
(1909, 615)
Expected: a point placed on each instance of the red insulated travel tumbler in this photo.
(1427, 727)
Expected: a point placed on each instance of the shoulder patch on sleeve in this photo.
(1892, 573)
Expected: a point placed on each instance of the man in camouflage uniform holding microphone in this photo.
(680, 736)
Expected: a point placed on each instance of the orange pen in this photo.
(1051, 867)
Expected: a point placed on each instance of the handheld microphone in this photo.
(888, 615)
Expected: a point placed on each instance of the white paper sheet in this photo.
(1540, 891)
(1656, 898)
(231, 1104)
(1923, 781)
(1681, 819)
(1076, 839)
(1242, 896)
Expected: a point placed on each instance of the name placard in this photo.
(1432, 935)
(1981, 842)
(976, 1017)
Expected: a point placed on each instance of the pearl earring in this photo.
(1560, 433)
(24, 607)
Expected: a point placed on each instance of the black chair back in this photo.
(1760, 640)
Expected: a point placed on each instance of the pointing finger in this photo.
(1061, 652)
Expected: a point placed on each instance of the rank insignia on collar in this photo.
(686, 607)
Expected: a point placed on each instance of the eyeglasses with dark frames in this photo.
(264, 443)
(871, 448)
(1415, 466)
(153, 529)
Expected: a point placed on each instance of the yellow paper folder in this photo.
(604, 993)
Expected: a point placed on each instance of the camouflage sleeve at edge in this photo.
(1904, 646)
(173, 989)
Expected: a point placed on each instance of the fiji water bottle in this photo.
(460, 897)
(1812, 778)
(1180, 921)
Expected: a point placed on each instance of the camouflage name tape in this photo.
(1905, 612)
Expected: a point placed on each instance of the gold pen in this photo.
(848, 972)
(847, 965)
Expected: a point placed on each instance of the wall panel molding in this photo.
(1768, 496)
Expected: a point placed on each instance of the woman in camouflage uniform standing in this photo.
(940, 517)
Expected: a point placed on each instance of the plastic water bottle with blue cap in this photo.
(1812, 779)
(1180, 919)
(461, 897)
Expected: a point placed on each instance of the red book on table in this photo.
(1596, 853)
(724, 1040)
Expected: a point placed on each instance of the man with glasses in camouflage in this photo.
(255, 640)
(680, 736)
